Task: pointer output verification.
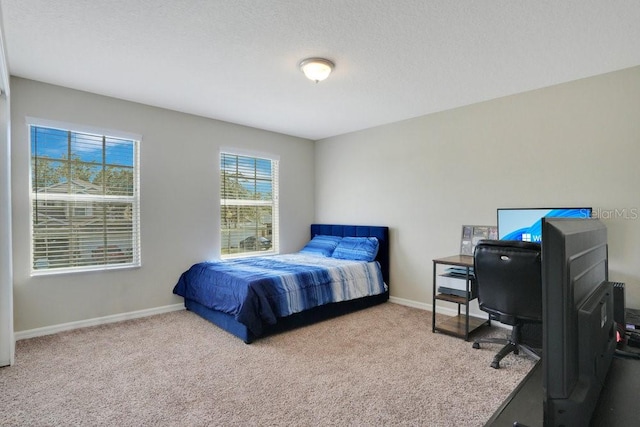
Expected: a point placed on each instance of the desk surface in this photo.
(616, 406)
(619, 396)
(459, 260)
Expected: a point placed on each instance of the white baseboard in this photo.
(48, 330)
(422, 306)
(441, 310)
(410, 303)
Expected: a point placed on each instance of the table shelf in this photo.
(463, 324)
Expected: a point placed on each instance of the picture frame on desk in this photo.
(472, 234)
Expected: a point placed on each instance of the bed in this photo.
(237, 295)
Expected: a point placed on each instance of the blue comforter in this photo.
(256, 291)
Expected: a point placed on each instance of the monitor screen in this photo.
(526, 223)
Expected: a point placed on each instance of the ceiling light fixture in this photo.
(316, 69)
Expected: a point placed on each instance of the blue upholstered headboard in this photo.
(381, 233)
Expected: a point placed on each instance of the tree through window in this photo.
(248, 204)
(84, 200)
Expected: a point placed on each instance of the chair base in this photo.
(511, 345)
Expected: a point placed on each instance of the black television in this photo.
(579, 333)
(526, 223)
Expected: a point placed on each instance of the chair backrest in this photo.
(509, 280)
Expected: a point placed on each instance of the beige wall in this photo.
(572, 144)
(575, 144)
(179, 201)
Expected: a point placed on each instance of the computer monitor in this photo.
(525, 223)
(579, 332)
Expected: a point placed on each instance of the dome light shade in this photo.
(316, 69)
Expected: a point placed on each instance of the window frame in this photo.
(273, 203)
(86, 203)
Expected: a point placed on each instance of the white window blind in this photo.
(248, 204)
(84, 200)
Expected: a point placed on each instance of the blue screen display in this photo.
(526, 224)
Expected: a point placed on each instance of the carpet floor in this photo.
(381, 366)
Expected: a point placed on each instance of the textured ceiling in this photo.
(236, 60)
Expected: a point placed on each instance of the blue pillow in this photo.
(321, 245)
(357, 248)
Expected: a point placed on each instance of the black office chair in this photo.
(509, 284)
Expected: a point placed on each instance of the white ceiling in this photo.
(236, 60)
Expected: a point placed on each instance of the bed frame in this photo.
(317, 314)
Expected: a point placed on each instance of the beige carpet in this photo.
(380, 366)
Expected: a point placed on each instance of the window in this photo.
(84, 200)
(248, 204)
